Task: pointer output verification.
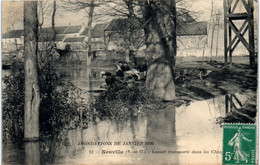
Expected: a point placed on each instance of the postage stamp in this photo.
(239, 144)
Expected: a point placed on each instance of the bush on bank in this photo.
(120, 104)
(61, 103)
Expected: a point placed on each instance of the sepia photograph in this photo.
(89, 82)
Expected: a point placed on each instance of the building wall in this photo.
(191, 45)
(12, 44)
(98, 46)
(77, 45)
(75, 57)
(186, 46)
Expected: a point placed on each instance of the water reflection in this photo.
(232, 102)
(32, 153)
(188, 129)
(84, 77)
(161, 130)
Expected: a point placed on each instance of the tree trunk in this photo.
(161, 43)
(130, 43)
(217, 38)
(53, 22)
(90, 19)
(32, 93)
(41, 48)
(213, 27)
(212, 39)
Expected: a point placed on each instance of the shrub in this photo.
(123, 103)
(13, 104)
(61, 103)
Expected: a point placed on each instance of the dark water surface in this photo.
(84, 77)
(178, 135)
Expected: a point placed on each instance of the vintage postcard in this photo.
(129, 82)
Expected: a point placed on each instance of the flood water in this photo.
(179, 135)
(84, 77)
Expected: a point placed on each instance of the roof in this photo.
(60, 29)
(97, 31)
(47, 35)
(13, 34)
(84, 32)
(72, 29)
(122, 24)
(193, 28)
(47, 32)
(60, 37)
(75, 39)
(186, 26)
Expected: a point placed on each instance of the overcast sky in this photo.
(64, 17)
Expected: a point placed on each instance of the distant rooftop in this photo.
(72, 29)
(60, 29)
(60, 37)
(13, 34)
(186, 26)
(47, 37)
(97, 30)
(122, 24)
(46, 31)
(75, 39)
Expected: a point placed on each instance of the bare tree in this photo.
(218, 26)
(90, 19)
(32, 92)
(130, 16)
(213, 29)
(13, 18)
(53, 21)
(131, 10)
(43, 9)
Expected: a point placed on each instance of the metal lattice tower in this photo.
(230, 17)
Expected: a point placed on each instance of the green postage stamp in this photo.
(239, 144)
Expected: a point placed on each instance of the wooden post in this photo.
(229, 39)
(229, 17)
(231, 103)
(226, 103)
(32, 92)
(251, 33)
(89, 29)
(225, 31)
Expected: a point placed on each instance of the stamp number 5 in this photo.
(227, 156)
